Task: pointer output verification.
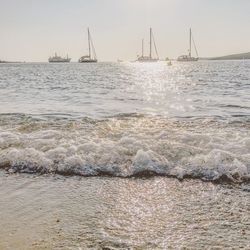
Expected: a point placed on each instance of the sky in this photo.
(32, 30)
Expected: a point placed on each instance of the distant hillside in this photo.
(10, 62)
(233, 57)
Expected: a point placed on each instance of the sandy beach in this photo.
(51, 212)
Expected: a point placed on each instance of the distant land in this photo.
(233, 57)
(10, 62)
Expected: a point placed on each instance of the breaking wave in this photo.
(127, 146)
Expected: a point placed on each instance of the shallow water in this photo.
(52, 212)
(129, 119)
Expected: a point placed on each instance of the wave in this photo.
(125, 146)
(142, 165)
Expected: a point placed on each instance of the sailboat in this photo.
(149, 58)
(91, 57)
(189, 58)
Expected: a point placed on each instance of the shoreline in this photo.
(145, 175)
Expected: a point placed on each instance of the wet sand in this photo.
(54, 212)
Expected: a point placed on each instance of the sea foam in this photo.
(129, 147)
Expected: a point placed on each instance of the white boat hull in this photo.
(87, 60)
(188, 59)
(147, 59)
(59, 61)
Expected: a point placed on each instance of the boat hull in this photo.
(147, 59)
(88, 61)
(59, 59)
(68, 61)
(189, 59)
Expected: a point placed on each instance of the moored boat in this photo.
(59, 59)
(189, 57)
(91, 57)
(150, 57)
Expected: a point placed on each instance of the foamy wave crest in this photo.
(128, 147)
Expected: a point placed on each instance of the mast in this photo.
(92, 47)
(142, 48)
(190, 42)
(156, 51)
(150, 51)
(89, 44)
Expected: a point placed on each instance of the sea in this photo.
(125, 155)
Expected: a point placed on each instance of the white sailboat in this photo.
(150, 57)
(91, 57)
(189, 58)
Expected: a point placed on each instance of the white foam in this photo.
(129, 147)
(8, 139)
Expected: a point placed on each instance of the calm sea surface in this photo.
(71, 121)
(203, 89)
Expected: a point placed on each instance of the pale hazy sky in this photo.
(32, 30)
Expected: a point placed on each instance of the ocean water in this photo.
(191, 120)
(79, 142)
